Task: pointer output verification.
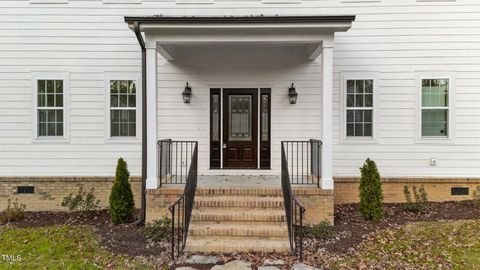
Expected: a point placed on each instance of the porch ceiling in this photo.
(169, 33)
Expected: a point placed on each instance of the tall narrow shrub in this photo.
(371, 198)
(121, 197)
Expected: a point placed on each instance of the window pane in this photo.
(131, 129)
(368, 100)
(265, 116)
(358, 100)
(42, 129)
(350, 100)
(435, 93)
(239, 117)
(51, 129)
(123, 87)
(350, 116)
(58, 100)
(41, 86)
(59, 86)
(59, 114)
(350, 86)
(132, 101)
(114, 101)
(59, 129)
(114, 87)
(50, 100)
(123, 129)
(215, 118)
(114, 130)
(435, 122)
(51, 116)
(350, 130)
(367, 116)
(367, 130)
(369, 86)
(50, 86)
(42, 115)
(358, 130)
(132, 88)
(123, 100)
(359, 85)
(358, 116)
(42, 102)
(131, 116)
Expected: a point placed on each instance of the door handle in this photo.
(224, 145)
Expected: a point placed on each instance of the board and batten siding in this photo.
(395, 39)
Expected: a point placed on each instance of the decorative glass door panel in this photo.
(240, 117)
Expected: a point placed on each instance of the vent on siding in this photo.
(25, 189)
(459, 191)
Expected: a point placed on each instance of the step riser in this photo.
(232, 249)
(240, 204)
(248, 218)
(239, 232)
(263, 192)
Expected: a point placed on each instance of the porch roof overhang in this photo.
(165, 33)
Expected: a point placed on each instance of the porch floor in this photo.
(214, 181)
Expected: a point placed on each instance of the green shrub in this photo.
(121, 197)
(14, 212)
(420, 199)
(83, 203)
(159, 230)
(322, 230)
(476, 197)
(371, 198)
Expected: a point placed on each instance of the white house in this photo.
(396, 81)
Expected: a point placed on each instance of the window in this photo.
(50, 108)
(435, 107)
(123, 108)
(359, 108)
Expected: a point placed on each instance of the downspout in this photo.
(141, 42)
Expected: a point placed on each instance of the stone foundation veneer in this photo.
(50, 191)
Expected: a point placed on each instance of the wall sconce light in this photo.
(292, 94)
(187, 94)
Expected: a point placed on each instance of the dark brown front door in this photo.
(240, 123)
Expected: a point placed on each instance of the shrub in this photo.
(159, 230)
(476, 197)
(322, 230)
(121, 197)
(371, 198)
(420, 199)
(83, 202)
(14, 212)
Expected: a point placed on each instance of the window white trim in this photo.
(138, 116)
(194, 1)
(344, 77)
(451, 106)
(48, 1)
(65, 77)
(122, 1)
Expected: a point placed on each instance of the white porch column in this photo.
(327, 85)
(151, 116)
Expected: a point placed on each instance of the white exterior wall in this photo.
(395, 39)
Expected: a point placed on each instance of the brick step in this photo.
(238, 229)
(231, 244)
(242, 201)
(214, 214)
(240, 191)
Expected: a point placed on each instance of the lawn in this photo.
(59, 247)
(424, 245)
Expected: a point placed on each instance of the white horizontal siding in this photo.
(87, 38)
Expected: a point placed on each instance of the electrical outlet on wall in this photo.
(433, 161)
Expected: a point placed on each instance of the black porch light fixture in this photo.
(187, 94)
(292, 95)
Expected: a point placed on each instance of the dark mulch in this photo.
(126, 239)
(352, 228)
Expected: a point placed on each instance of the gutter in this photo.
(141, 42)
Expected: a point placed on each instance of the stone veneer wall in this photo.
(438, 189)
(50, 191)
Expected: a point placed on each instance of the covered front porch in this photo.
(239, 59)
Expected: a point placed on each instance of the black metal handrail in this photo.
(174, 159)
(181, 209)
(304, 161)
(301, 171)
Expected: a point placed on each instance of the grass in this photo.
(59, 247)
(426, 245)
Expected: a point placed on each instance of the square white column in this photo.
(327, 85)
(152, 138)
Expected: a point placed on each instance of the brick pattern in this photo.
(438, 189)
(318, 204)
(50, 191)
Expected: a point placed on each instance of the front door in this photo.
(240, 123)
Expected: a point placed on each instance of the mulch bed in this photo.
(125, 239)
(350, 230)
